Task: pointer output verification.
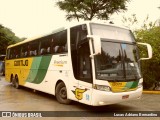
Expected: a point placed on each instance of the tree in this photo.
(7, 37)
(89, 9)
(150, 68)
(148, 33)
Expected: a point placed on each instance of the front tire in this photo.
(61, 94)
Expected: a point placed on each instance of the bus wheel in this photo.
(61, 93)
(15, 82)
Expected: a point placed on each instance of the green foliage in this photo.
(148, 33)
(7, 37)
(130, 21)
(89, 9)
(150, 68)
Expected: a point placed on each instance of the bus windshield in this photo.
(118, 60)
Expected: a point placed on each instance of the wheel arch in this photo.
(62, 100)
(58, 81)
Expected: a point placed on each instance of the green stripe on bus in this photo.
(34, 69)
(42, 70)
(129, 84)
(135, 84)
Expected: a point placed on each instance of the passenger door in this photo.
(84, 90)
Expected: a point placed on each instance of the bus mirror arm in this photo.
(96, 44)
(149, 48)
(92, 55)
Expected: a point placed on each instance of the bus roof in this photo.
(96, 22)
(67, 26)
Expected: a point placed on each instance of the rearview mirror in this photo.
(149, 49)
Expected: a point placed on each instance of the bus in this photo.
(93, 63)
(2, 65)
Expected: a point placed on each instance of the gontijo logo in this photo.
(79, 93)
(21, 63)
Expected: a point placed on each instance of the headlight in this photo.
(102, 87)
(140, 85)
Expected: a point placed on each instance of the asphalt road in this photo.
(25, 99)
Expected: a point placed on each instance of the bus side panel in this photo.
(42, 73)
(50, 70)
(19, 67)
(33, 69)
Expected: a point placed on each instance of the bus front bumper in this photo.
(105, 98)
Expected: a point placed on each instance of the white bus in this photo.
(92, 63)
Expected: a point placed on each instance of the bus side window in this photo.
(43, 49)
(24, 50)
(45, 45)
(49, 44)
(11, 52)
(8, 53)
(17, 52)
(59, 42)
(48, 49)
(56, 49)
(33, 48)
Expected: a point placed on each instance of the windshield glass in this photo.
(118, 61)
(119, 57)
(111, 32)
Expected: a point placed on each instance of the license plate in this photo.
(125, 97)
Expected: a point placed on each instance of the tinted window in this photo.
(8, 53)
(80, 54)
(52, 44)
(24, 51)
(84, 63)
(15, 52)
(59, 42)
(78, 34)
(33, 48)
(45, 46)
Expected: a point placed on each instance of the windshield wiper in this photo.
(134, 71)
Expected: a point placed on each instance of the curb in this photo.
(151, 92)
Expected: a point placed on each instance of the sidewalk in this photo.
(151, 92)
